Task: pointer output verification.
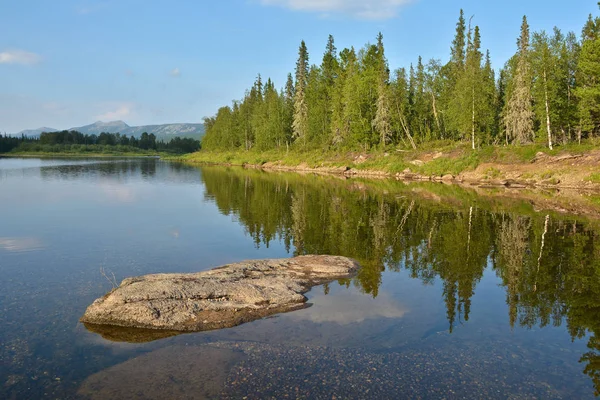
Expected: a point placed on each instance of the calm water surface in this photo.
(459, 296)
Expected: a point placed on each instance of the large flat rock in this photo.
(220, 298)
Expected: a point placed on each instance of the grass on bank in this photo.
(433, 159)
(80, 150)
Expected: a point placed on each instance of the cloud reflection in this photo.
(17, 245)
(118, 192)
(350, 307)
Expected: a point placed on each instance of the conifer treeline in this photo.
(548, 91)
(74, 141)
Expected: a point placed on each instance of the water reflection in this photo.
(549, 265)
(479, 265)
(350, 307)
(16, 244)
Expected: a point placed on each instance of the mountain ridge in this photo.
(162, 131)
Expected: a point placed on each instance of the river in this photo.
(459, 296)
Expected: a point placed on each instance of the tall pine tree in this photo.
(300, 121)
(382, 115)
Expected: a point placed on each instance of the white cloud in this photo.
(175, 73)
(362, 9)
(19, 57)
(120, 112)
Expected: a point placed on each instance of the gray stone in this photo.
(220, 298)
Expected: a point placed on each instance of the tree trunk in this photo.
(405, 127)
(473, 120)
(435, 113)
(541, 251)
(547, 111)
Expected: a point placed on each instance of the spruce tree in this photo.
(288, 113)
(453, 71)
(316, 104)
(518, 117)
(330, 73)
(588, 79)
(458, 53)
(488, 117)
(300, 121)
(470, 110)
(382, 116)
(339, 122)
(500, 105)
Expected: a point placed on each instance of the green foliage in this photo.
(74, 142)
(548, 91)
(588, 74)
(594, 178)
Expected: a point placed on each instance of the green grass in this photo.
(594, 178)
(547, 174)
(450, 157)
(492, 173)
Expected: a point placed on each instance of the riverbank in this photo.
(569, 167)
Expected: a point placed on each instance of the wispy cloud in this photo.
(176, 73)
(19, 57)
(362, 9)
(120, 112)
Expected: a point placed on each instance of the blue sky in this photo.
(68, 63)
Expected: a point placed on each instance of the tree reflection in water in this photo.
(549, 265)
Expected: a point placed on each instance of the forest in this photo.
(77, 142)
(547, 92)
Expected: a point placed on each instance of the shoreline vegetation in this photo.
(535, 123)
(77, 144)
(570, 167)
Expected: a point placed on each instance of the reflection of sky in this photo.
(15, 244)
(141, 209)
(350, 306)
(25, 163)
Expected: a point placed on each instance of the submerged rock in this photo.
(220, 298)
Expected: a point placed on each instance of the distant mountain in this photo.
(163, 132)
(98, 127)
(35, 132)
